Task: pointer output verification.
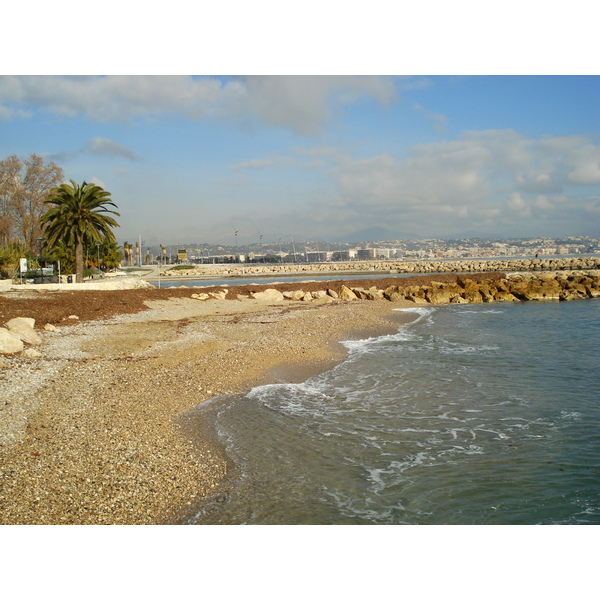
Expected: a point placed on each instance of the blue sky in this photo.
(318, 157)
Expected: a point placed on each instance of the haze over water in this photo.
(470, 414)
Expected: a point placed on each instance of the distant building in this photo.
(343, 255)
(318, 256)
(367, 254)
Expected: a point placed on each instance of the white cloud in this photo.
(593, 206)
(518, 205)
(98, 182)
(585, 165)
(492, 179)
(316, 152)
(255, 163)
(300, 103)
(8, 114)
(105, 147)
(543, 202)
(440, 122)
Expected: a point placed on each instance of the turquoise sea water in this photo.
(470, 414)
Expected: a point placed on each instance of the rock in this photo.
(504, 296)
(347, 294)
(394, 293)
(74, 317)
(307, 297)
(319, 294)
(295, 295)
(201, 296)
(440, 296)
(20, 322)
(270, 295)
(332, 293)
(218, 295)
(472, 296)
(23, 327)
(10, 342)
(50, 327)
(31, 353)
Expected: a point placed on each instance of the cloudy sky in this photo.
(318, 157)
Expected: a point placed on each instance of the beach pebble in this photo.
(31, 353)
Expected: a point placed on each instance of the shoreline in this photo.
(101, 442)
(197, 428)
(91, 430)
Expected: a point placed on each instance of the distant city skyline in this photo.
(320, 157)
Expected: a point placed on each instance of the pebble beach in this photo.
(91, 431)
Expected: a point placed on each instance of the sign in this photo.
(181, 255)
(23, 265)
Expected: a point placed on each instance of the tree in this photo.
(77, 216)
(128, 252)
(24, 185)
(110, 255)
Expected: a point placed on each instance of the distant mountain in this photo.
(373, 234)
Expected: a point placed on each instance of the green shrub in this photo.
(9, 260)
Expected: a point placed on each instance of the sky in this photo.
(194, 158)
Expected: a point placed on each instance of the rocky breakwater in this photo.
(511, 288)
(420, 266)
(450, 289)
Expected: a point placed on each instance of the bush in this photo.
(9, 259)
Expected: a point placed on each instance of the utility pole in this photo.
(294, 247)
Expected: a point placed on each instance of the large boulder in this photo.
(10, 342)
(270, 295)
(394, 293)
(347, 294)
(294, 295)
(23, 327)
(439, 296)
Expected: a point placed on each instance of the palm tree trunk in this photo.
(79, 262)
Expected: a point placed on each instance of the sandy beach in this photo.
(91, 431)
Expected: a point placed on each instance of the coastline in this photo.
(91, 429)
(99, 440)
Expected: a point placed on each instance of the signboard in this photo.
(23, 265)
(181, 254)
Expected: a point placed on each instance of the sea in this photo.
(468, 414)
(273, 279)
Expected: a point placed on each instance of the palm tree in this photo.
(77, 215)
